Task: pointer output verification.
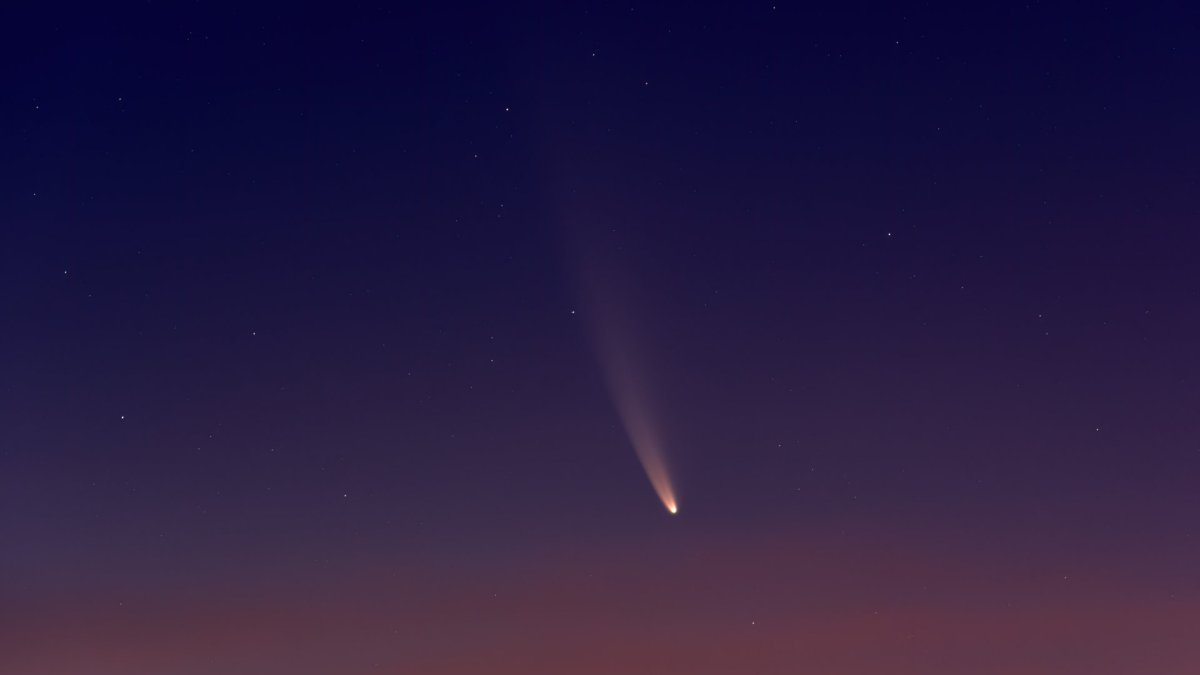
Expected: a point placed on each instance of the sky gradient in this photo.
(327, 336)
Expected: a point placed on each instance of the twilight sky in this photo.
(331, 338)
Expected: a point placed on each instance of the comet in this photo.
(618, 309)
(616, 353)
(646, 441)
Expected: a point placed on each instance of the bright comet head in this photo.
(616, 351)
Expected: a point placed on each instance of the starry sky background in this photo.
(296, 375)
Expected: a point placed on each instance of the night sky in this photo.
(357, 339)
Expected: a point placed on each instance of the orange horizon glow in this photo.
(309, 623)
